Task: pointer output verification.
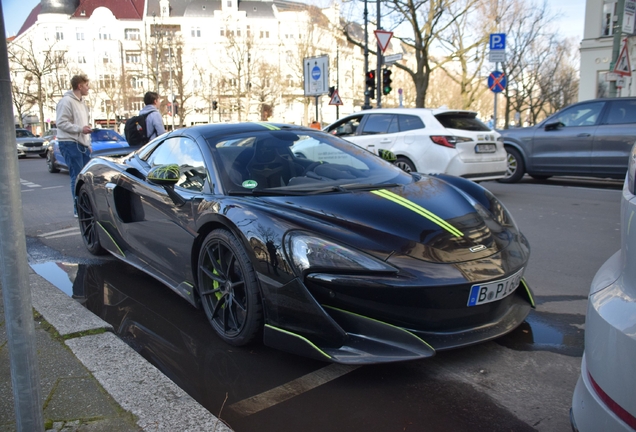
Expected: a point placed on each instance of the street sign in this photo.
(316, 75)
(335, 99)
(497, 81)
(497, 56)
(628, 16)
(497, 41)
(623, 66)
(392, 58)
(383, 38)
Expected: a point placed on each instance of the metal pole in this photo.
(618, 33)
(338, 78)
(16, 291)
(367, 100)
(379, 58)
(171, 88)
(317, 110)
(494, 115)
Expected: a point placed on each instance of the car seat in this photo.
(272, 164)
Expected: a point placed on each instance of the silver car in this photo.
(588, 139)
(29, 144)
(604, 397)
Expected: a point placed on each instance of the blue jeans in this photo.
(76, 156)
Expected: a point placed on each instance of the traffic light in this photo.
(370, 81)
(386, 81)
(215, 105)
(331, 91)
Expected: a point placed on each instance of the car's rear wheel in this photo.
(88, 223)
(228, 289)
(50, 162)
(516, 167)
(405, 164)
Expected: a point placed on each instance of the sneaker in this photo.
(74, 212)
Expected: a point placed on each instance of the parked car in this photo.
(604, 399)
(101, 139)
(428, 140)
(589, 139)
(49, 136)
(29, 144)
(307, 254)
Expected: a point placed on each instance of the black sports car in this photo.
(309, 242)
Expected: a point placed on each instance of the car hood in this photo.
(29, 140)
(104, 145)
(429, 220)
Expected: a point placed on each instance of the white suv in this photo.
(428, 140)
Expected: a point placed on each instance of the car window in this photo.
(347, 127)
(21, 133)
(184, 152)
(621, 112)
(380, 124)
(409, 122)
(579, 115)
(462, 121)
(106, 135)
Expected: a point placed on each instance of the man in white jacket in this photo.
(73, 130)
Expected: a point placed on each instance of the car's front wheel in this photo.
(405, 164)
(88, 223)
(50, 162)
(516, 168)
(228, 289)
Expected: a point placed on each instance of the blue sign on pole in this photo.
(315, 73)
(497, 81)
(497, 41)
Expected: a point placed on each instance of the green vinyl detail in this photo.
(380, 322)
(525, 285)
(268, 126)
(168, 172)
(111, 239)
(419, 210)
(304, 339)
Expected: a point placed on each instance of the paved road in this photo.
(523, 381)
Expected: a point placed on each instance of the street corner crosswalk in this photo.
(30, 186)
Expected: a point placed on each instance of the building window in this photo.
(104, 34)
(290, 81)
(79, 33)
(59, 57)
(106, 58)
(249, 32)
(107, 81)
(229, 3)
(131, 34)
(233, 82)
(289, 57)
(59, 33)
(222, 31)
(609, 12)
(107, 106)
(238, 32)
(136, 83)
(133, 57)
(195, 32)
(81, 58)
(136, 105)
(264, 34)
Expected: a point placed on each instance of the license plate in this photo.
(493, 291)
(485, 148)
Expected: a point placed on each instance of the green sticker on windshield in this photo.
(249, 184)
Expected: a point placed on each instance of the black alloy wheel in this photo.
(228, 289)
(88, 223)
(516, 167)
(405, 164)
(51, 163)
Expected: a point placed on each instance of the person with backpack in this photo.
(148, 124)
(73, 130)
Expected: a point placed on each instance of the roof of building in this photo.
(122, 9)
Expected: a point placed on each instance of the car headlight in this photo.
(631, 171)
(310, 252)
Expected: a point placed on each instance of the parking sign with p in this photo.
(497, 41)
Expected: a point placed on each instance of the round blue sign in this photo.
(497, 81)
(315, 73)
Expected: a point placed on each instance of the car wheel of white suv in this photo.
(405, 164)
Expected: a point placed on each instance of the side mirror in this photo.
(554, 126)
(167, 176)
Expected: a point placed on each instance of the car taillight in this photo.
(612, 404)
(446, 141)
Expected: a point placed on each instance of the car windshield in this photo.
(462, 121)
(106, 135)
(286, 162)
(21, 133)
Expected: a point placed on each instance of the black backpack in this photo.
(135, 130)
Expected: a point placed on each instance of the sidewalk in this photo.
(91, 381)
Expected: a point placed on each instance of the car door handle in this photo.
(583, 135)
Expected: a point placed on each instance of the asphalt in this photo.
(90, 380)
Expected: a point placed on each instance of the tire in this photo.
(516, 166)
(43, 155)
(540, 177)
(405, 164)
(51, 163)
(229, 289)
(88, 223)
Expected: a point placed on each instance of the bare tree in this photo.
(38, 64)
(22, 97)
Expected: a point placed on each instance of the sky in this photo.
(571, 23)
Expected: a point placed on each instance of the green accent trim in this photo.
(525, 285)
(111, 239)
(381, 322)
(165, 173)
(268, 126)
(304, 339)
(419, 210)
